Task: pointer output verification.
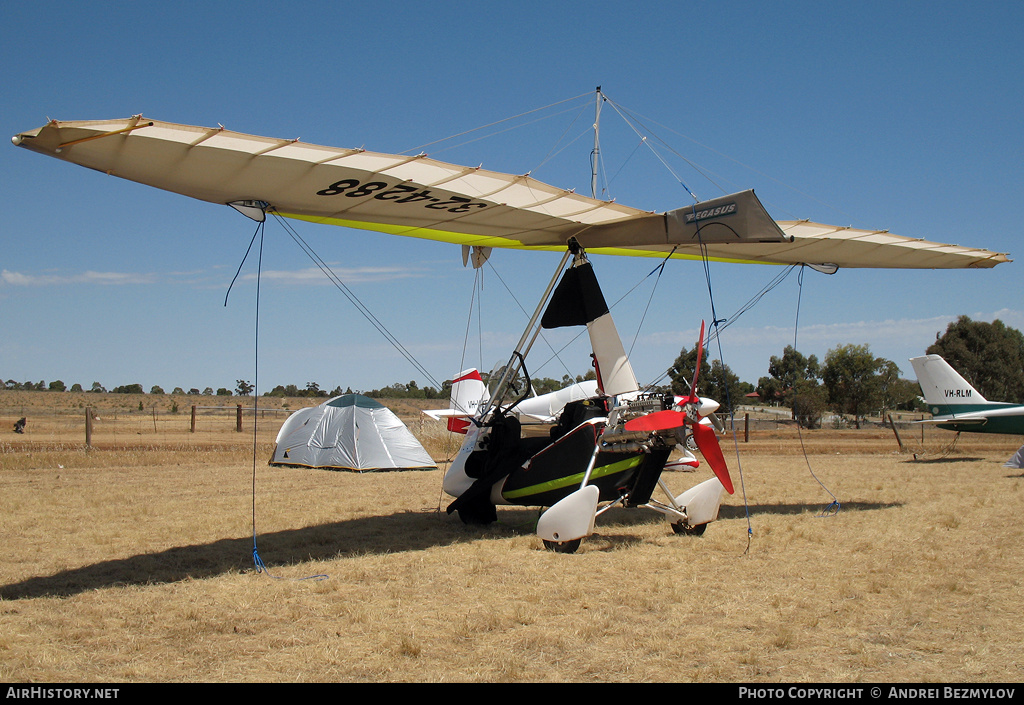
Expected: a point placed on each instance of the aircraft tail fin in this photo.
(468, 393)
(942, 385)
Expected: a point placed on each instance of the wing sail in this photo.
(420, 197)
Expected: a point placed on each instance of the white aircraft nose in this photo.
(707, 406)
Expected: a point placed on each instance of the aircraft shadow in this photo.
(626, 517)
(393, 533)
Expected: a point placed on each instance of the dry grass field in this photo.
(133, 561)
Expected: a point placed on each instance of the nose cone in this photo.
(707, 406)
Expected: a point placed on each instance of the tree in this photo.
(97, 388)
(794, 375)
(244, 388)
(57, 386)
(809, 402)
(156, 389)
(855, 380)
(904, 395)
(989, 355)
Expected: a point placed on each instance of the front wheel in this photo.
(563, 546)
(681, 528)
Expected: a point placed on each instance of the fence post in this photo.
(746, 427)
(192, 426)
(238, 418)
(896, 432)
(88, 427)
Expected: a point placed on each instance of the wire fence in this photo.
(225, 423)
(119, 425)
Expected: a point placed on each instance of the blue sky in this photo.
(899, 116)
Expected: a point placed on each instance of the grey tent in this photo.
(1017, 461)
(350, 432)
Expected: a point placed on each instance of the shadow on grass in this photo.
(609, 537)
(924, 460)
(393, 533)
(736, 512)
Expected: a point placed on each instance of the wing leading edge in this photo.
(420, 197)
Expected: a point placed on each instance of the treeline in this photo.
(97, 388)
(242, 388)
(413, 391)
(852, 382)
(398, 390)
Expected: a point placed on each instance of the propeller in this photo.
(707, 442)
(707, 439)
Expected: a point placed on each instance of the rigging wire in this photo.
(553, 152)
(497, 122)
(745, 308)
(732, 414)
(833, 508)
(362, 308)
(474, 300)
(705, 173)
(556, 354)
(260, 230)
(655, 153)
(260, 567)
(753, 301)
(627, 160)
(660, 270)
(350, 295)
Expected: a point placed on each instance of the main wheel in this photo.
(563, 546)
(681, 528)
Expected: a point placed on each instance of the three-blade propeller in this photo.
(707, 440)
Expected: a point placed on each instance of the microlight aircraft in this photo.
(604, 450)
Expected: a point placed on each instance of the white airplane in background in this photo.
(469, 393)
(957, 406)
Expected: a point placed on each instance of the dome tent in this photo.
(350, 432)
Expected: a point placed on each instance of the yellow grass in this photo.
(133, 562)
